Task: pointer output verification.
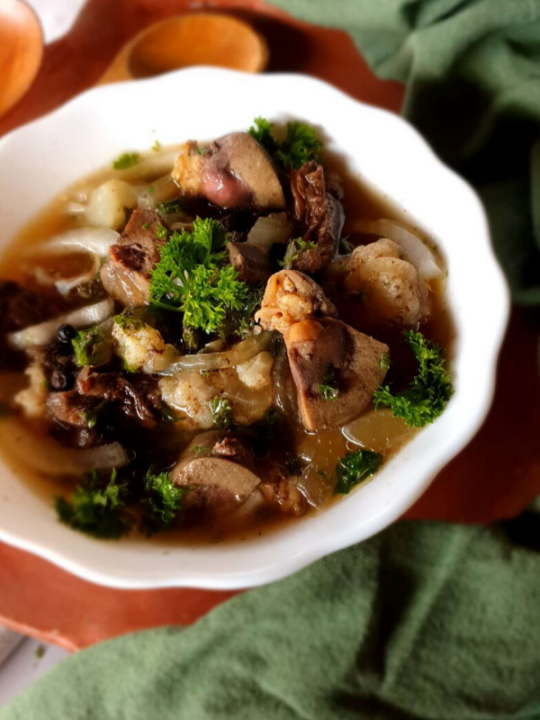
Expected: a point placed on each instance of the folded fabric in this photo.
(472, 73)
(427, 620)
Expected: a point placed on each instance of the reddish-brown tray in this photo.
(495, 476)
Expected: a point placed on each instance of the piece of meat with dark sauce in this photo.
(71, 408)
(19, 308)
(356, 362)
(320, 214)
(251, 263)
(56, 361)
(126, 273)
(280, 493)
(137, 398)
(232, 172)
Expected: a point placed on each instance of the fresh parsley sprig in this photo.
(355, 467)
(191, 277)
(429, 392)
(300, 145)
(163, 501)
(97, 507)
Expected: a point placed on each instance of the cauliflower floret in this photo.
(187, 171)
(256, 373)
(189, 393)
(142, 347)
(107, 204)
(32, 400)
(391, 288)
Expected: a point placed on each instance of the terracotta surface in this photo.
(494, 477)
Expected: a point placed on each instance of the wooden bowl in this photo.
(184, 41)
(21, 51)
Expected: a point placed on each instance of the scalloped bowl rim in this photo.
(42, 158)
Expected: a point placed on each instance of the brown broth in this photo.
(379, 431)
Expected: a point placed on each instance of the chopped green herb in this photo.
(151, 189)
(355, 467)
(91, 347)
(199, 150)
(294, 248)
(222, 412)
(300, 146)
(146, 226)
(161, 232)
(323, 474)
(168, 207)
(40, 651)
(90, 417)
(294, 465)
(328, 388)
(385, 361)
(345, 247)
(163, 502)
(262, 132)
(156, 147)
(126, 160)
(128, 321)
(96, 507)
(431, 389)
(242, 322)
(167, 413)
(202, 450)
(273, 416)
(191, 277)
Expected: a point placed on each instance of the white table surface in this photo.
(26, 663)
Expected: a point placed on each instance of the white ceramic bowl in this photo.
(43, 158)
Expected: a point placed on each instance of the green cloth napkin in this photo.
(427, 620)
(472, 72)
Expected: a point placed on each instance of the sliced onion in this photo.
(412, 247)
(152, 166)
(241, 352)
(45, 332)
(44, 455)
(95, 241)
(274, 228)
(284, 390)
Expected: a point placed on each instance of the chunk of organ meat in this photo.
(290, 297)
(56, 361)
(232, 172)
(355, 361)
(391, 288)
(218, 481)
(251, 263)
(71, 408)
(19, 308)
(126, 273)
(280, 493)
(137, 398)
(321, 216)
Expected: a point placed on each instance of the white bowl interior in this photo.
(40, 160)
